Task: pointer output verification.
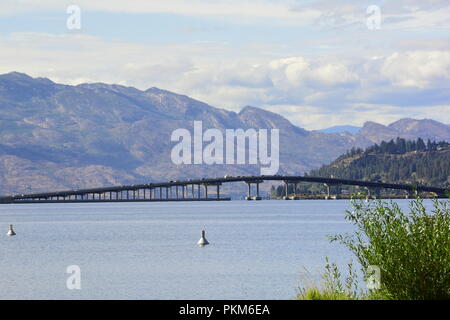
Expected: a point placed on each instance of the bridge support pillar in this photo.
(327, 196)
(368, 192)
(378, 193)
(257, 190)
(217, 185)
(249, 194)
(286, 191)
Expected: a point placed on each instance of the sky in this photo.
(318, 63)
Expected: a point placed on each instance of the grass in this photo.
(318, 294)
(332, 287)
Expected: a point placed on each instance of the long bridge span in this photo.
(191, 190)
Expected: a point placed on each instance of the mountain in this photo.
(55, 136)
(406, 128)
(349, 129)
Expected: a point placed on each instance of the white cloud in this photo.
(313, 91)
(277, 11)
(420, 69)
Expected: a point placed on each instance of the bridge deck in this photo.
(160, 191)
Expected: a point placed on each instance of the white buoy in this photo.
(10, 231)
(203, 242)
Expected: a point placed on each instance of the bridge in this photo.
(191, 190)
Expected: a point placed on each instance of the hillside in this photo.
(55, 136)
(396, 161)
(399, 161)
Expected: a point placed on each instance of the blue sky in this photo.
(315, 62)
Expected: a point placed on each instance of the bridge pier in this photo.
(249, 194)
(205, 185)
(377, 193)
(368, 193)
(286, 190)
(413, 194)
(327, 195)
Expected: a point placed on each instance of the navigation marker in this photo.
(202, 242)
(10, 231)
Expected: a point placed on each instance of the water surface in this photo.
(258, 249)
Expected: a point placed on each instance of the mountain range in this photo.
(55, 136)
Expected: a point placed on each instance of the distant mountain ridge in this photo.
(406, 128)
(344, 128)
(55, 136)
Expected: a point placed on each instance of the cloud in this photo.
(314, 61)
(395, 14)
(251, 9)
(325, 90)
(421, 69)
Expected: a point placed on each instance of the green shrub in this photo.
(412, 250)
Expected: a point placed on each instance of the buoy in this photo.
(203, 242)
(10, 231)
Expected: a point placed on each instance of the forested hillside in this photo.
(396, 161)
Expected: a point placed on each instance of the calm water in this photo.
(258, 250)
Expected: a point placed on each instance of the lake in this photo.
(258, 249)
